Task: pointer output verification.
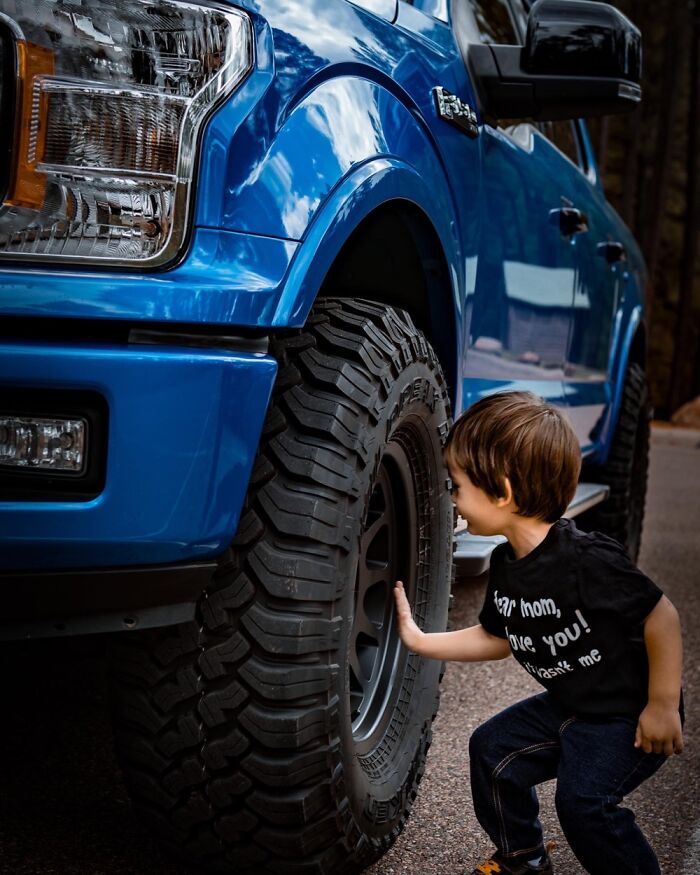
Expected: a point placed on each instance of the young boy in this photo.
(584, 621)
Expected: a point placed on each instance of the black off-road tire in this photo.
(238, 733)
(621, 516)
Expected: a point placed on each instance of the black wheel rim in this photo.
(387, 548)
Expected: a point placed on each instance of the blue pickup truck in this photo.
(253, 259)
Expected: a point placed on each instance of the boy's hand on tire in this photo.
(409, 632)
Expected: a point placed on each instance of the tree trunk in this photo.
(664, 143)
(684, 352)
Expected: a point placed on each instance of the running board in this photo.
(472, 553)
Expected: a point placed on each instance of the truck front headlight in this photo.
(102, 121)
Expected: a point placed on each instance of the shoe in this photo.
(499, 865)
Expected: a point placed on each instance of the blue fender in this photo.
(374, 183)
(330, 164)
(337, 125)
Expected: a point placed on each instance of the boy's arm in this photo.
(659, 729)
(464, 645)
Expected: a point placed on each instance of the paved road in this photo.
(63, 810)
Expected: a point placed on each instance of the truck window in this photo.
(564, 136)
(494, 22)
(434, 8)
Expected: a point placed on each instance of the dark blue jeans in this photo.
(595, 764)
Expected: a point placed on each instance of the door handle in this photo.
(612, 251)
(570, 220)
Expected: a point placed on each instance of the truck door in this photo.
(599, 284)
(522, 302)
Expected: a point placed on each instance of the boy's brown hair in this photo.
(519, 436)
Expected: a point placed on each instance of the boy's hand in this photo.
(409, 632)
(659, 730)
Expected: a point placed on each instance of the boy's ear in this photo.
(506, 499)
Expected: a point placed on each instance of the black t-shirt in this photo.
(572, 611)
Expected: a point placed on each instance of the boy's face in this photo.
(483, 514)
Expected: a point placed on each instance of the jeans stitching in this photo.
(641, 762)
(516, 753)
(628, 776)
(494, 785)
(565, 724)
(523, 851)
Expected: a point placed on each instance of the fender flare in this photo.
(374, 183)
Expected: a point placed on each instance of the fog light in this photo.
(43, 444)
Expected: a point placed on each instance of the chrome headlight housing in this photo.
(105, 109)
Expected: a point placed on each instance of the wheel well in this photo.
(394, 257)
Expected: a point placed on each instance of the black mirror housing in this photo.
(580, 58)
(571, 37)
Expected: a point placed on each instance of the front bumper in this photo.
(184, 427)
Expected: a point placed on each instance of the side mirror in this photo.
(580, 58)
